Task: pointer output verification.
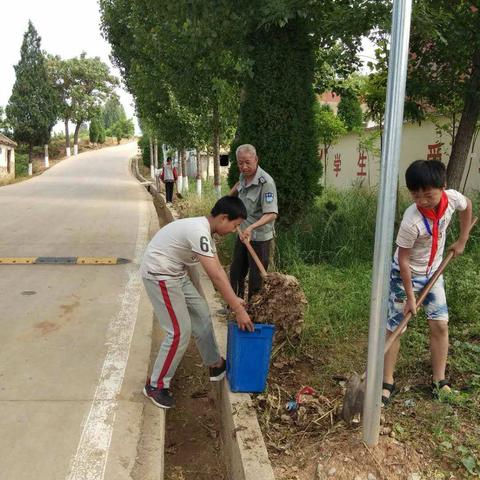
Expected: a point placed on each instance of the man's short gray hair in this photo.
(246, 147)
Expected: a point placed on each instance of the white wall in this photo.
(343, 159)
(5, 176)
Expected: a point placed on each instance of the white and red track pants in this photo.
(181, 311)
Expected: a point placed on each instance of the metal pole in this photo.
(397, 73)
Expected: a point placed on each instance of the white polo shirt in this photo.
(413, 234)
(175, 247)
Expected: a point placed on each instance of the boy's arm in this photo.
(465, 221)
(220, 280)
(406, 275)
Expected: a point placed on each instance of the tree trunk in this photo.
(30, 159)
(183, 159)
(67, 139)
(152, 164)
(47, 163)
(75, 138)
(179, 173)
(466, 128)
(154, 156)
(199, 173)
(216, 151)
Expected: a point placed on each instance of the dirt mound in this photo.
(281, 302)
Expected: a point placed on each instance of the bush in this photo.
(94, 130)
(21, 164)
(277, 115)
(144, 145)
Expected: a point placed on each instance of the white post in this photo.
(75, 149)
(68, 152)
(30, 169)
(397, 74)
(199, 187)
(185, 183)
(47, 164)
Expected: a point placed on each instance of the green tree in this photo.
(32, 109)
(62, 77)
(4, 125)
(444, 71)
(277, 116)
(350, 112)
(329, 129)
(93, 84)
(153, 44)
(101, 133)
(112, 111)
(122, 129)
(94, 130)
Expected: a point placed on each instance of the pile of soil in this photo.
(280, 302)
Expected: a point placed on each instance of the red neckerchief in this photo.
(435, 215)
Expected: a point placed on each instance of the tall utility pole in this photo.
(397, 75)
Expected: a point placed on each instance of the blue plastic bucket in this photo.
(248, 357)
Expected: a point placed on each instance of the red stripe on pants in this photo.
(176, 334)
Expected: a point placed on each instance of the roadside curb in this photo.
(149, 462)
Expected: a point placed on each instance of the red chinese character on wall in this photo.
(362, 163)
(434, 152)
(337, 164)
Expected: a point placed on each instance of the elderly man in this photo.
(257, 190)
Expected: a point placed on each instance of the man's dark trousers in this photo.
(169, 191)
(243, 263)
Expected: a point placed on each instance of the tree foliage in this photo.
(112, 111)
(32, 109)
(186, 64)
(444, 70)
(350, 112)
(122, 128)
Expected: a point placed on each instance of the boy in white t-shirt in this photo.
(420, 244)
(178, 305)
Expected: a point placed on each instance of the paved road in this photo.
(74, 339)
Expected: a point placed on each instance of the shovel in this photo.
(254, 255)
(354, 395)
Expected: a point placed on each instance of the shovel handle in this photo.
(421, 298)
(254, 255)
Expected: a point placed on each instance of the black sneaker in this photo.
(217, 373)
(161, 397)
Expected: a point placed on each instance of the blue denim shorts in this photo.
(435, 303)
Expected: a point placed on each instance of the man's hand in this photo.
(242, 302)
(410, 306)
(246, 235)
(458, 247)
(243, 320)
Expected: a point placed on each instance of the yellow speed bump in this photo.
(96, 260)
(63, 261)
(17, 260)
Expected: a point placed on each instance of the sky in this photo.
(66, 27)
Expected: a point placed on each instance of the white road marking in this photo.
(91, 457)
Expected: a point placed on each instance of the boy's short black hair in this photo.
(169, 159)
(231, 206)
(422, 174)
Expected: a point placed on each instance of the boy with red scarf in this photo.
(420, 244)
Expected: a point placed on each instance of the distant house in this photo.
(7, 159)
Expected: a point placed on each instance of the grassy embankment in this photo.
(330, 251)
